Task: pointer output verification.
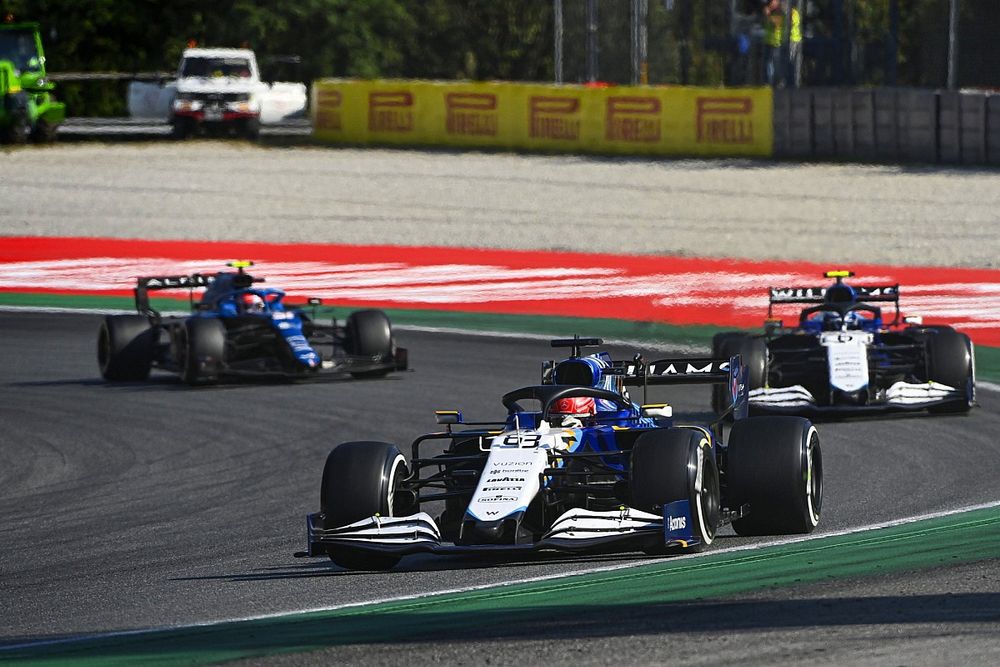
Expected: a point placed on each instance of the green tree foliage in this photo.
(473, 39)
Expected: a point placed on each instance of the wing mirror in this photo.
(448, 417)
(657, 410)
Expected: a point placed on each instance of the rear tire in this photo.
(360, 480)
(368, 333)
(181, 128)
(17, 130)
(775, 465)
(44, 132)
(753, 351)
(950, 361)
(204, 350)
(677, 464)
(125, 348)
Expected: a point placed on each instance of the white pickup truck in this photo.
(217, 91)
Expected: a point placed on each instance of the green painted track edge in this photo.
(935, 542)
(686, 336)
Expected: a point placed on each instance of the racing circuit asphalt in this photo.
(153, 504)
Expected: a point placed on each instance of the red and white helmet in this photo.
(581, 406)
(252, 303)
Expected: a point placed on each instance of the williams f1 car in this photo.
(238, 328)
(842, 357)
(574, 466)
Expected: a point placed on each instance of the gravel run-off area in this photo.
(834, 213)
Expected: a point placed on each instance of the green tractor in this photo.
(28, 109)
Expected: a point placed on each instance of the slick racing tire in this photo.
(369, 334)
(204, 350)
(753, 351)
(775, 465)
(951, 361)
(360, 480)
(677, 464)
(125, 348)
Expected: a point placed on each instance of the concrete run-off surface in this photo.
(226, 190)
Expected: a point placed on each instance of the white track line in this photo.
(479, 587)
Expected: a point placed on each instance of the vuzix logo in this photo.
(554, 117)
(471, 114)
(634, 119)
(328, 109)
(390, 111)
(677, 522)
(724, 120)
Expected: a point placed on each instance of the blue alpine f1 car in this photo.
(574, 466)
(843, 357)
(238, 328)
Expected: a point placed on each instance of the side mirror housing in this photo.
(661, 410)
(448, 417)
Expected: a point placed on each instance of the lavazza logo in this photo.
(677, 522)
(498, 480)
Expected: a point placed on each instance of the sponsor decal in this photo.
(502, 488)
(691, 369)
(512, 464)
(328, 109)
(633, 119)
(499, 480)
(554, 117)
(471, 114)
(498, 499)
(724, 120)
(677, 522)
(390, 111)
(509, 471)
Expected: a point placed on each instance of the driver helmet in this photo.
(581, 406)
(572, 409)
(252, 303)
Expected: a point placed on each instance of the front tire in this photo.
(125, 348)
(950, 361)
(368, 333)
(361, 480)
(775, 465)
(677, 464)
(204, 348)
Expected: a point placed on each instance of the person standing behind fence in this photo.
(774, 19)
(795, 50)
(775, 71)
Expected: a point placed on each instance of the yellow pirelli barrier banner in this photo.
(628, 120)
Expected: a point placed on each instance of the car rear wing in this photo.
(689, 370)
(154, 283)
(815, 295)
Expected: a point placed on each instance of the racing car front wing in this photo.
(900, 396)
(576, 530)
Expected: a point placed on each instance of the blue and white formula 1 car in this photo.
(237, 328)
(582, 468)
(842, 357)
